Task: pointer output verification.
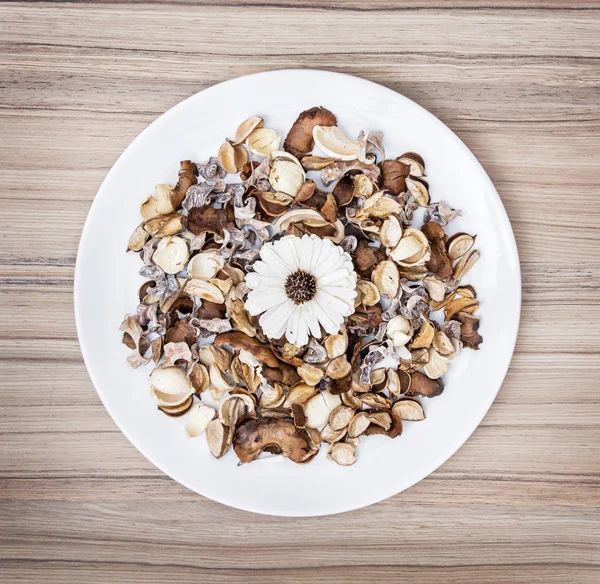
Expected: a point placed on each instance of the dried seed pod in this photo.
(246, 128)
(198, 419)
(416, 167)
(419, 191)
(439, 263)
(279, 436)
(138, 239)
(148, 209)
(466, 292)
(342, 453)
(287, 174)
(310, 374)
(381, 419)
(378, 206)
(439, 305)
(425, 386)
(217, 437)
(204, 290)
(399, 330)
(390, 232)
(299, 140)
(338, 368)
(469, 334)
(413, 248)
(409, 409)
(329, 435)
(205, 265)
(163, 199)
(319, 407)
(459, 305)
(424, 336)
(332, 141)
(363, 186)
(359, 423)
(171, 254)
(226, 157)
(170, 386)
(435, 288)
(394, 174)
(459, 244)
(239, 404)
(164, 225)
(316, 162)
(336, 345)
(443, 344)
(263, 141)
(367, 293)
(350, 399)
(274, 204)
(219, 384)
(376, 400)
(340, 418)
(299, 394)
(436, 366)
(387, 278)
(464, 264)
(177, 411)
(272, 395)
(393, 382)
(199, 378)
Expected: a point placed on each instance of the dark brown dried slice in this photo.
(393, 176)
(366, 258)
(306, 191)
(182, 331)
(278, 436)
(343, 191)
(208, 219)
(176, 411)
(239, 340)
(299, 140)
(422, 385)
(469, 334)
(188, 176)
(298, 415)
(439, 263)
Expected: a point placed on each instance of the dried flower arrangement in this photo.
(280, 300)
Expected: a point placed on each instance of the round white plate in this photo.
(106, 282)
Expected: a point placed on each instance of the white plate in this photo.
(106, 281)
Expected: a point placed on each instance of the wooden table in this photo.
(520, 84)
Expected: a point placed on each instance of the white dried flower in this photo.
(300, 285)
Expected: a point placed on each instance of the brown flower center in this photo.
(300, 287)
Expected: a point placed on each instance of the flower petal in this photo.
(330, 303)
(312, 320)
(274, 259)
(259, 301)
(256, 281)
(274, 318)
(330, 326)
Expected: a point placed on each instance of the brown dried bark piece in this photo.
(276, 436)
(439, 263)
(202, 219)
(393, 176)
(469, 334)
(299, 140)
(366, 258)
(422, 385)
(188, 176)
(239, 340)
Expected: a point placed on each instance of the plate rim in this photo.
(457, 142)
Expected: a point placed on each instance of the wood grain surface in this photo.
(520, 84)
